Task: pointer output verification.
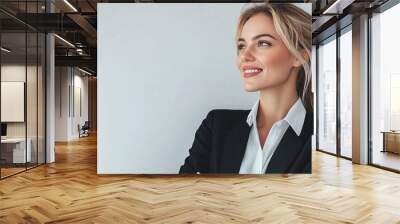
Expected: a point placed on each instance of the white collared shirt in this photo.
(256, 159)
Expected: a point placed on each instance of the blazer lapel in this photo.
(234, 148)
(290, 147)
(286, 152)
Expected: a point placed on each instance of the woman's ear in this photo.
(297, 62)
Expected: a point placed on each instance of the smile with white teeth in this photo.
(251, 70)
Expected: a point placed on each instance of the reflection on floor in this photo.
(10, 169)
(345, 151)
(386, 159)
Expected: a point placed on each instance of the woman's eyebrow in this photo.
(258, 36)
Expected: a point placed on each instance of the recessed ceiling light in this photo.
(5, 50)
(337, 7)
(84, 71)
(64, 40)
(70, 5)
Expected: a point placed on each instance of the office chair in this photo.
(84, 130)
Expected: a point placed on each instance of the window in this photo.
(327, 96)
(385, 89)
(346, 93)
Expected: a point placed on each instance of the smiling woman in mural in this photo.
(273, 57)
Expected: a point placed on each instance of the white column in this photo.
(50, 93)
(360, 90)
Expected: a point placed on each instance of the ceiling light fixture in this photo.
(5, 50)
(337, 7)
(70, 5)
(64, 40)
(333, 6)
(84, 71)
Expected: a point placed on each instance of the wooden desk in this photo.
(391, 141)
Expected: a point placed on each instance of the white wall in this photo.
(159, 77)
(61, 103)
(67, 81)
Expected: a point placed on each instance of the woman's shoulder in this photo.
(228, 113)
(227, 116)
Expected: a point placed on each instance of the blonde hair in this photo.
(293, 26)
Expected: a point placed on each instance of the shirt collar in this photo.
(295, 116)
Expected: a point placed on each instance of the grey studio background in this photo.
(161, 69)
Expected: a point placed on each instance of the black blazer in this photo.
(220, 143)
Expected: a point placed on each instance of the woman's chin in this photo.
(250, 88)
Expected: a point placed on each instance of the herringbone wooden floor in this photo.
(70, 191)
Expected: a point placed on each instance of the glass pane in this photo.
(327, 96)
(13, 86)
(41, 98)
(313, 84)
(385, 84)
(32, 95)
(346, 94)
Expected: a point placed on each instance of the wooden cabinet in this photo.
(391, 141)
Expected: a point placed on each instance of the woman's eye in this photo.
(240, 46)
(264, 44)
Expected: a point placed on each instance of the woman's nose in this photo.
(247, 54)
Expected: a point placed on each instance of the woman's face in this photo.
(263, 59)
